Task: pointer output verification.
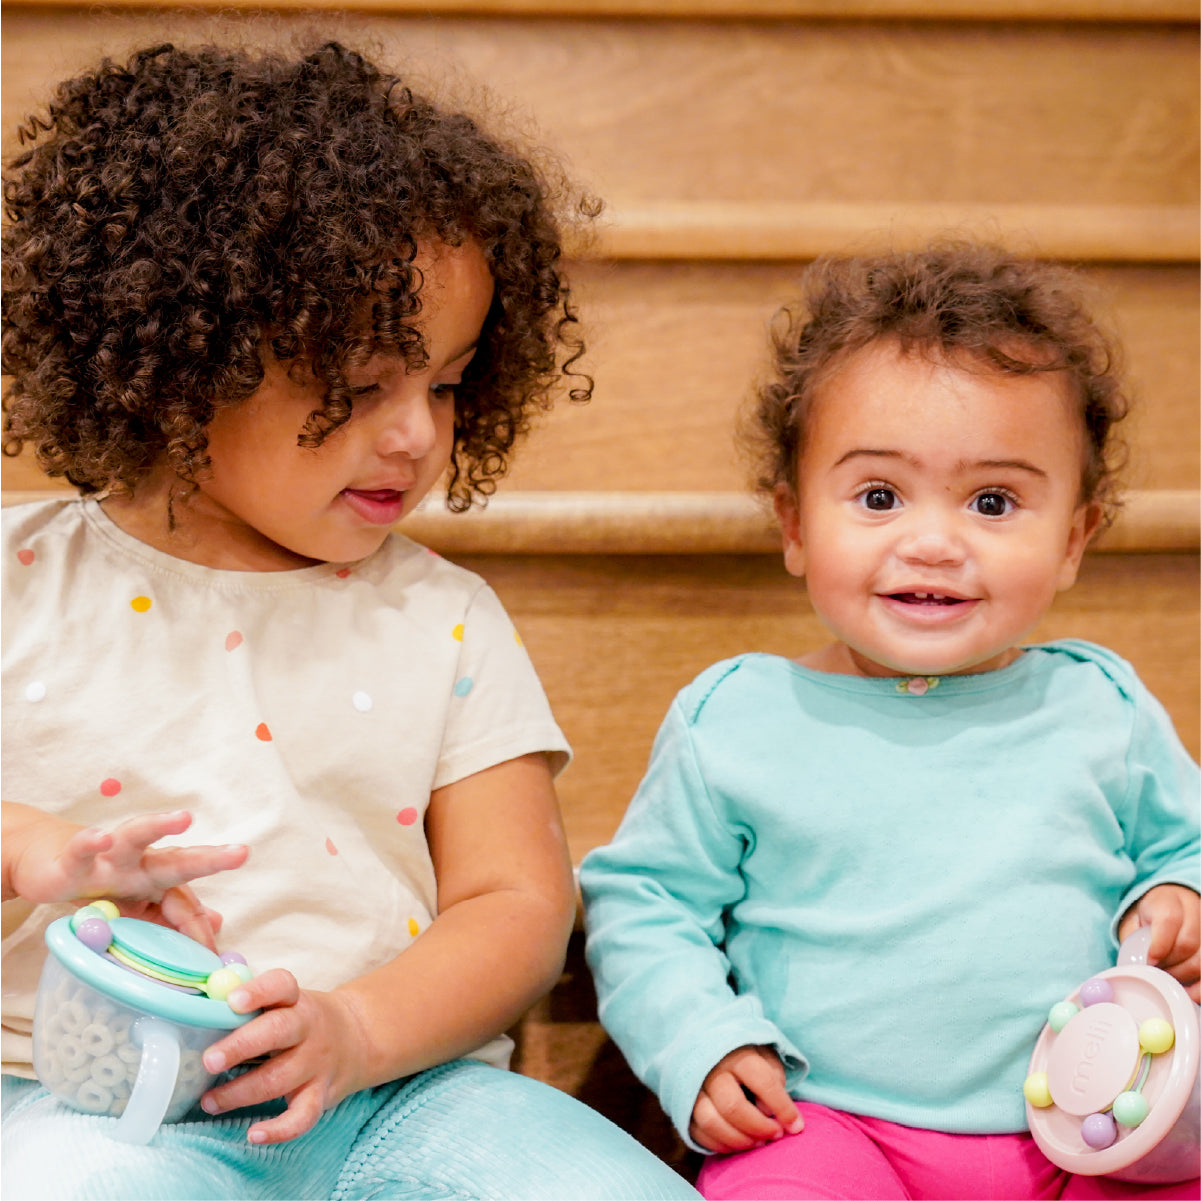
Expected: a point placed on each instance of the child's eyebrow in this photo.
(962, 465)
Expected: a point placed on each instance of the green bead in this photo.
(1061, 1013)
(1130, 1109)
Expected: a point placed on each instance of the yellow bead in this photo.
(221, 983)
(109, 910)
(1156, 1036)
(1037, 1091)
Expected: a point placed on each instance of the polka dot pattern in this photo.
(262, 733)
(414, 928)
(110, 787)
(407, 817)
(329, 846)
(35, 692)
(25, 557)
(141, 604)
(233, 640)
(362, 702)
(457, 632)
(464, 686)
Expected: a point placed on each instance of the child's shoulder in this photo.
(733, 681)
(1070, 653)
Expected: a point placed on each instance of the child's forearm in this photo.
(468, 978)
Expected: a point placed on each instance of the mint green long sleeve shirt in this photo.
(891, 889)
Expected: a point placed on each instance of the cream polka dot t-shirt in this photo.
(307, 713)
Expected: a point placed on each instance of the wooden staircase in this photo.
(733, 140)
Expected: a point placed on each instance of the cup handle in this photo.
(157, 1073)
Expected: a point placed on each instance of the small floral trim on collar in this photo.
(918, 685)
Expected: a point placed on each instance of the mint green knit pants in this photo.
(462, 1130)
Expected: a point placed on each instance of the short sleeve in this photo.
(498, 709)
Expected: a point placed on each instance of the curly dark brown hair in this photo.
(974, 304)
(169, 218)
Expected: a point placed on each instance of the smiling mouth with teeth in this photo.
(926, 598)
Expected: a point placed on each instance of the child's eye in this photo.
(878, 499)
(993, 504)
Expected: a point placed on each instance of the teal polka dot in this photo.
(464, 686)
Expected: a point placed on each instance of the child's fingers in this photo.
(304, 1108)
(171, 866)
(714, 1132)
(132, 836)
(275, 1029)
(725, 1093)
(182, 909)
(763, 1076)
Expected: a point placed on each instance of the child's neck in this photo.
(840, 659)
(186, 526)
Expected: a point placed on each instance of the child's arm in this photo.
(505, 908)
(47, 858)
(744, 1102)
(1174, 914)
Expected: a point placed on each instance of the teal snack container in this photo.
(125, 1009)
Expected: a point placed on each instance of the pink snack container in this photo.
(1113, 1084)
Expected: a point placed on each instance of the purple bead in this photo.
(228, 957)
(1098, 1131)
(1095, 991)
(95, 933)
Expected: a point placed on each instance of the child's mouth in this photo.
(379, 506)
(925, 598)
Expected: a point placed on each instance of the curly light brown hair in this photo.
(172, 219)
(975, 305)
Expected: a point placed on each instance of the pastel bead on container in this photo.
(1130, 1109)
(1096, 991)
(1098, 1131)
(1156, 1036)
(1061, 1013)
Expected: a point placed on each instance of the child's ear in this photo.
(790, 527)
(1085, 524)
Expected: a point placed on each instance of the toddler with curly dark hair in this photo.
(851, 885)
(255, 308)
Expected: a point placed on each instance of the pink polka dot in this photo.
(342, 573)
(329, 846)
(262, 733)
(25, 556)
(233, 640)
(407, 817)
(110, 787)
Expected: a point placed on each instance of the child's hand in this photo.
(1174, 914)
(49, 859)
(726, 1119)
(313, 1041)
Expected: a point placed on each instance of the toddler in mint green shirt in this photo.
(858, 880)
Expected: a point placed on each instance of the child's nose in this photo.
(931, 541)
(407, 427)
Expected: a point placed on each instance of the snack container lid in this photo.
(138, 991)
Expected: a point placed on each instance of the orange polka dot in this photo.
(140, 604)
(329, 846)
(262, 733)
(110, 787)
(25, 557)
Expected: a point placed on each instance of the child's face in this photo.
(277, 505)
(937, 512)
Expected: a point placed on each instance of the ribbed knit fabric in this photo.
(462, 1130)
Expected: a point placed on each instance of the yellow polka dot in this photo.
(140, 604)
(457, 632)
(518, 637)
(414, 928)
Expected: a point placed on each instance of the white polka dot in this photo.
(362, 702)
(36, 691)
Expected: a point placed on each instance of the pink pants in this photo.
(839, 1155)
